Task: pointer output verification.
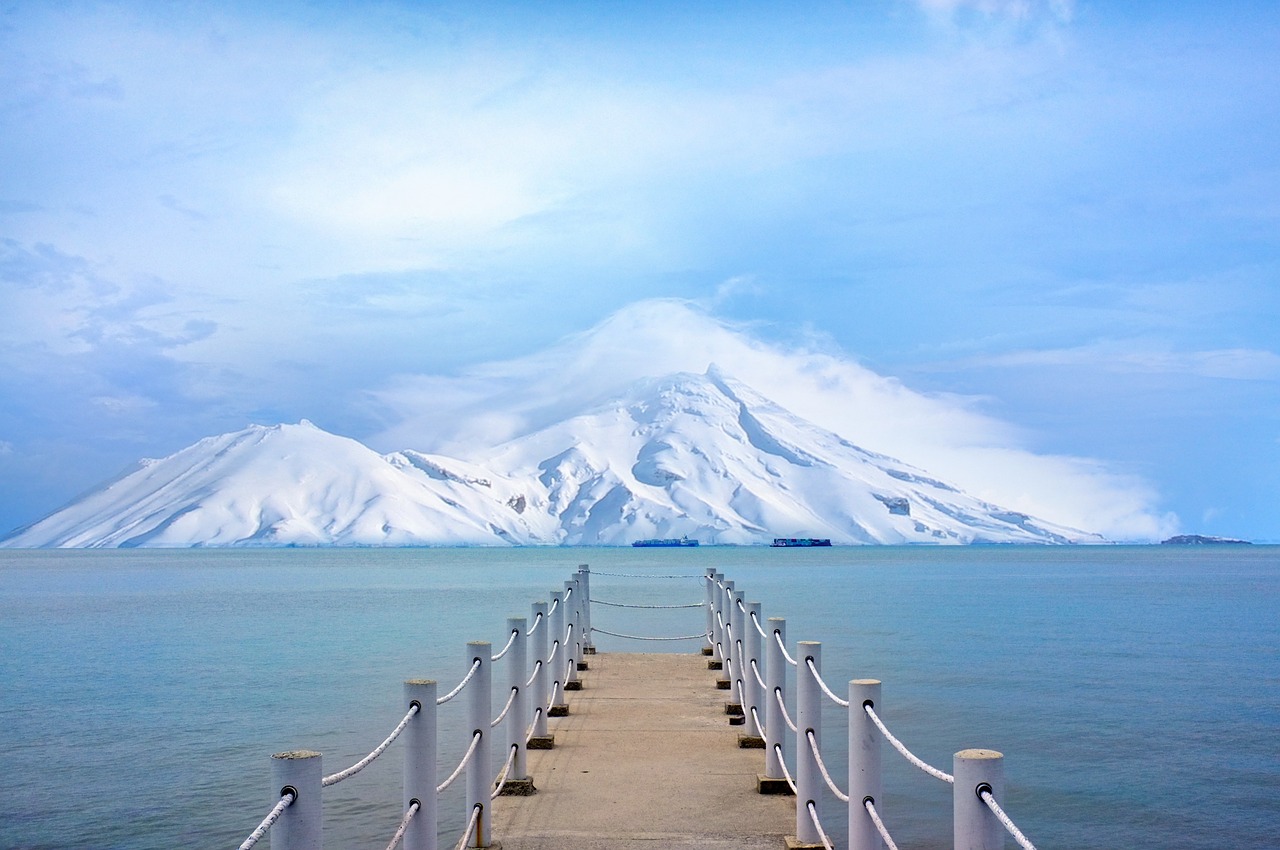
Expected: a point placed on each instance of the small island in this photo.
(1200, 539)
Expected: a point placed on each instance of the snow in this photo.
(686, 454)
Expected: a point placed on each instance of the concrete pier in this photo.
(646, 758)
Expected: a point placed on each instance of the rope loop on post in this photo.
(335, 778)
(475, 665)
(755, 668)
(503, 714)
(777, 636)
(286, 800)
(822, 768)
(471, 826)
(813, 816)
(404, 824)
(990, 800)
(510, 641)
(457, 771)
(537, 667)
(907, 754)
(755, 621)
(870, 806)
(843, 703)
(786, 717)
(536, 620)
(755, 715)
(506, 769)
(777, 748)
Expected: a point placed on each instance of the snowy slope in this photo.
(697, 455)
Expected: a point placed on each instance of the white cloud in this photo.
(945, 435)
(1242, 364)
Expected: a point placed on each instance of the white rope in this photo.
(335, 778)
(1022, 840)
(511, 640)
(755, 668)
(813, 816)
(502, 715)
(755, 715)
(475, 665)
(274, 815)
(537, 666)
(755, 621)
(741, 607)
(777, 748)
(642, 637)
(840, 702)
(404, 825)
(643, 575)
(626, 605)
(471, 825)
(777, 636)
(822, 767)
(907, 754)
(551, 656)
(475, 740)
(536, 620)
(875, 818)
(506, 769)
(786, 718)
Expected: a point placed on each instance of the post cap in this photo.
(979, 754)
(297, 754)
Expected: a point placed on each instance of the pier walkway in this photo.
(646, 758)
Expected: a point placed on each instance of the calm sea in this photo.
(1135, 691)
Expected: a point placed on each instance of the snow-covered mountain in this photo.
(697, 455)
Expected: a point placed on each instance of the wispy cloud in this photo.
(1238, 364)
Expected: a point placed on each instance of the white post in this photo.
(864, 766)
(542, 684)
(808, 717)
(775, 669)
(584, 582)
(299, 826)
(717, 614)
(754, 692)
(976, 827)
(479, 715)
(726, 640)
(556, 665)
(709, 583)
(420, 759)
(517, 718)
(570, 636)
(737, 620)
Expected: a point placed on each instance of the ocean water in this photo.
(1135, 691)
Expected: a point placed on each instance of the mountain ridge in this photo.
(685, 454)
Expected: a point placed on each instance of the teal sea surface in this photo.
(1134, 691)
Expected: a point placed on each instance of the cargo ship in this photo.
(666, 541)
(801, 541)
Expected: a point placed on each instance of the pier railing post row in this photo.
(541, 691)
(556, 655)
(300, 825)
(479, 714)
(865, 780)
(975, 826)
(420, 767)
(754, 670)
(808, 719)
(584, 583)
(774, 780)
(572, 636)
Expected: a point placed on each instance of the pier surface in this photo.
(646, 758)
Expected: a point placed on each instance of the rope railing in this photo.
(510, 642)
(870, 806)
(645, 637)
(817, 824)
(475, 665)
(537, 620)
(786, 716)
(755, 715)
(506, 770)
(648, 607)
(843, 703)
(901, 748)
(777, 636)
(404, 825)
(457, 771)
(502, 715)
(286, 800)
(1005, 820)
(335, 778)
(470, 828)
(755, 669)
(786, 774)
(755, 621)
(537, 668)
(822, 767)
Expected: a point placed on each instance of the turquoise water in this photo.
(1135, 692)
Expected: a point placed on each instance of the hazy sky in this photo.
(1048, 230)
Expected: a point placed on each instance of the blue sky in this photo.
(1058, 219)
